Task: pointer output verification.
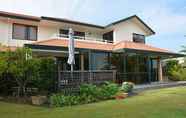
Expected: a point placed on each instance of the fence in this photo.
(71, 81)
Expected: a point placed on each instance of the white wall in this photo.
(6, 35)
(123, 31)
(4, 32)
(46, 32)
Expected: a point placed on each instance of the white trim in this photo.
(52, 51)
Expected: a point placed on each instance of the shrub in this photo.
(47, 75)
(175, 71)
(108, 90)
(127, 87)
(59, 100)
(178, 75)
(88, 93)
(172, 65)
(88, 89)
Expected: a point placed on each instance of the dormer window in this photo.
(138, 38)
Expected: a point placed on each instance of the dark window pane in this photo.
(24, 32)
(79, 35)
(32, 33)
(100, 61)
(19, 31)
(117, 62)
(108, 36)
(138, 38)
(63, 33)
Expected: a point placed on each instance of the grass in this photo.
(162, 103)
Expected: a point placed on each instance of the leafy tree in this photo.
(47, 75)
(183, 49)
(21, 65)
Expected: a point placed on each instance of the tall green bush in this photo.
(27, 70)
(175, 71)
(47, 75)
(21, 65)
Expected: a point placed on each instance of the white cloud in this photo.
(165, 21)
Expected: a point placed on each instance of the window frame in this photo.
(27, 35)
(138, 35)
(75, 35)
(108, 36)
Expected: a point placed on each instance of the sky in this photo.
(166, 17)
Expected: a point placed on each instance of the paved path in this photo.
(157, 85)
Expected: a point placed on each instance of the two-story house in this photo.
(119, 46)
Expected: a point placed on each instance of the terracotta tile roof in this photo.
(6, 48)
(101, 45)
(78, 44)
(138, 46)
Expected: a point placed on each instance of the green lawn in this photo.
(163, 103)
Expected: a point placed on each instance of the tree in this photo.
(183, 49)
(21, 65)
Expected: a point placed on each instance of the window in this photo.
(77, 34)
(24, 32)
(138, 38)
(108, 36)
(100, 61)
(63, 33)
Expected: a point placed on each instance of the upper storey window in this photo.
(138, 38)
(108, 36)
(77, 34)
(24, 32)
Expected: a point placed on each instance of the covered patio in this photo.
(101, 61)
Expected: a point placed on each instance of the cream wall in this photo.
(6, 35)
(44, 33)
(123, 31)
(4, 32)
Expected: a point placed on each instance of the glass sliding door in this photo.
(100, 61)
(154, 70)
(64, 66)
(137, 69)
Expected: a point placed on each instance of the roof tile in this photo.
(101, 45)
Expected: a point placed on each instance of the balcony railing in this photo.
(62, 36)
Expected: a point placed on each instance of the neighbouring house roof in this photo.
(102, 46)
(35, 18)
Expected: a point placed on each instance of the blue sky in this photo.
(166, 17)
